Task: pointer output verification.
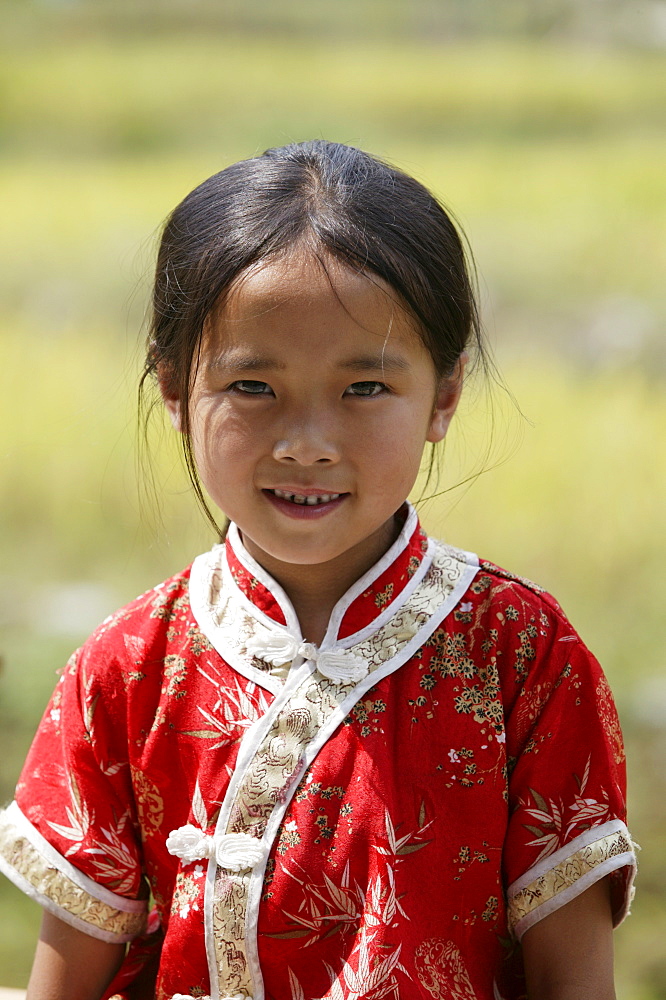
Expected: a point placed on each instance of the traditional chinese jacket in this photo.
(384, 815)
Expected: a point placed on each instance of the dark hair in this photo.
(346, 204)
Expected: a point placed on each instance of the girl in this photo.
(333, 758)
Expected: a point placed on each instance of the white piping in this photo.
(264, 578)
(17, 818)
(14, 814)
(552, 860)
(375, 571)
(324, 734)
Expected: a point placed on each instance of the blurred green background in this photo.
(541, 125)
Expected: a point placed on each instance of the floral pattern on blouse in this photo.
(449, 801)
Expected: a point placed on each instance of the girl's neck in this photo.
(314, 590)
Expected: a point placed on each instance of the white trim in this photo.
(391, 609)
(14, 817)
(574, 890)
(245, 601)
(209, 929)
(375, 571)
(466, 569)
(468, 557)
(203, 568)
(249, 744)
(47, 904)
(337, 614)
(612, 864)
(14, 814)
(324, 734)
(215, 561)
(264, 578)
(552, 860)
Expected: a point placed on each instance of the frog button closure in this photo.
(236, 852)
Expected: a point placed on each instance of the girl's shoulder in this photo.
(512, 625)
(510, 619)
(140, 632)
(496, 591)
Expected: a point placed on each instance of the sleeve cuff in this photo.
(33, 865)
(560, 877)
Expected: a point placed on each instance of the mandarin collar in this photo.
(369, 597)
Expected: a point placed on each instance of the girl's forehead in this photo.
(304, 280)
(308, 314)
(305, 309)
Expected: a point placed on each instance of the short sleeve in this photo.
(69, 840)
(567, 826)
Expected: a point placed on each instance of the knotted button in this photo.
(342, 667)
(277, 649)
(337, 665)
(235, 851)
(227, 996)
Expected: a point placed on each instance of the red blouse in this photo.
(380, 816)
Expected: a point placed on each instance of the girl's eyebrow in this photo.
(235, 363)
(382, 362)
(239, 363)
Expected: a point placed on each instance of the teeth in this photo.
(309, 501)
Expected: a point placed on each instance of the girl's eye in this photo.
(366, 389)
(249, 387)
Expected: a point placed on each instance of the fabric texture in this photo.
(387, 828)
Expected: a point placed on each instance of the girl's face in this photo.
(309, 412)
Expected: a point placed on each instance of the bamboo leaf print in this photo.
(335, 929)
(384, 969)
(540, 816)
(284, 935)
(350, 977)
(207, 734)
(296, 988)
(410, 848)
(540, 801)
(390, 832)
(303, 921)
(335, 992)
(198, 807)
(376, 894)
(340, 897)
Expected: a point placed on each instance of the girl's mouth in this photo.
(304, 505)
(312, 499)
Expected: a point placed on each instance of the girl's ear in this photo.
(171, 399)
(446, 401)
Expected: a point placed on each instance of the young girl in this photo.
(333, 758)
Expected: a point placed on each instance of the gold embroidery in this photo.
(566, 874)
(609, 718)
(49, 881)
(149, 803)
(441, 970)
(277, 763)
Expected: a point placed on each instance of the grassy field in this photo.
(553, 159)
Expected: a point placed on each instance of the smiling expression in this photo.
(309, 411)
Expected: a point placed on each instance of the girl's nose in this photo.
(306, 444)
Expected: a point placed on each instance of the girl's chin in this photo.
(329, 549)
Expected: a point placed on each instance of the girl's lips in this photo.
(305, 511)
